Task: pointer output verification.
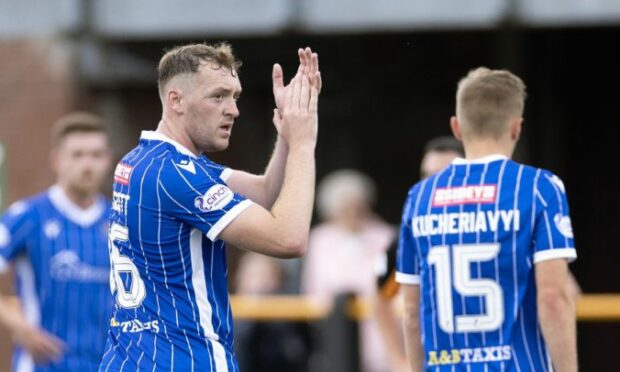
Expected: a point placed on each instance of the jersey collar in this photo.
(156, 136)
(73, 212)
(482, 160)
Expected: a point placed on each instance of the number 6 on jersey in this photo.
(133, 297)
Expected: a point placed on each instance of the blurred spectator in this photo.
(267, 346)
(57, 243)
(344, 250)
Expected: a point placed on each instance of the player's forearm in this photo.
(293, 208)
(274, 174)
(413, 343)
(388, 326)
(557, 320)
(11, 316)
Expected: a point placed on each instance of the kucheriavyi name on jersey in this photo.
(466, 222)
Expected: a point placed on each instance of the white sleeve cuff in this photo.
(4, 265)
(570, 254)
(226, 174)
(226, 219)
(407, 278)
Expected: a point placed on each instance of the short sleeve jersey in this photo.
(60, 256)
(470, 237)
(169, 267)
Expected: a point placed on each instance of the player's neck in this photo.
(166, 128)
(481, 149)
(80, 199)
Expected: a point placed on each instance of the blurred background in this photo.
(389, 69)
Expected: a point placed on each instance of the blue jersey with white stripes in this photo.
(169, 267)
(60, 256)
(470, 237)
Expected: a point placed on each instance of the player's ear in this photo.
(456, 128)
(174, 100)
(515, 128)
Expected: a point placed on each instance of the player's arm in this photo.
(386, 317)
(283, 230)
(411, 325)
(15, 227)
(43, 346)
(554, 246)
(556, 312)
(264, 189)
(388, 327)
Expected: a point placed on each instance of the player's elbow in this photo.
(294, 247)
(287, 244)
(555, 302)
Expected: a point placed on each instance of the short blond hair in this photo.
(486, 101)
(77, 122)
(186, 59)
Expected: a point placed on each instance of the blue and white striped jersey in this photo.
(169, 268)
(470, 237)
(62, 268)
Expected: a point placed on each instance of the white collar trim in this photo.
(483, 160)
(157, 136)
(75, 213)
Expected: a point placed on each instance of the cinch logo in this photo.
(447, 196)
(122, 173)
(217, 197)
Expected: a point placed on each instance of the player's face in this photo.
(212, 107)
(82, 161)
(434, 161)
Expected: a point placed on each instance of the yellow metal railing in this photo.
(590, 308)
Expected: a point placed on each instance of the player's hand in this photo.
(43, 346)
(298, 122)
(308, 65)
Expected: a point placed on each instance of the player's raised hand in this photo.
(44, 347)
(298, 122)
(308, 65)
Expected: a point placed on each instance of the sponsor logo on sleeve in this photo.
(564, 225)
(122, 173)
(479, 194)
(217, 197)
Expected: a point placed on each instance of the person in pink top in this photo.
(344, 251)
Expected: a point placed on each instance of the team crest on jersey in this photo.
(122, 173)
(217, 197)
(478, 194)
(51, 229)
(564, 225)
